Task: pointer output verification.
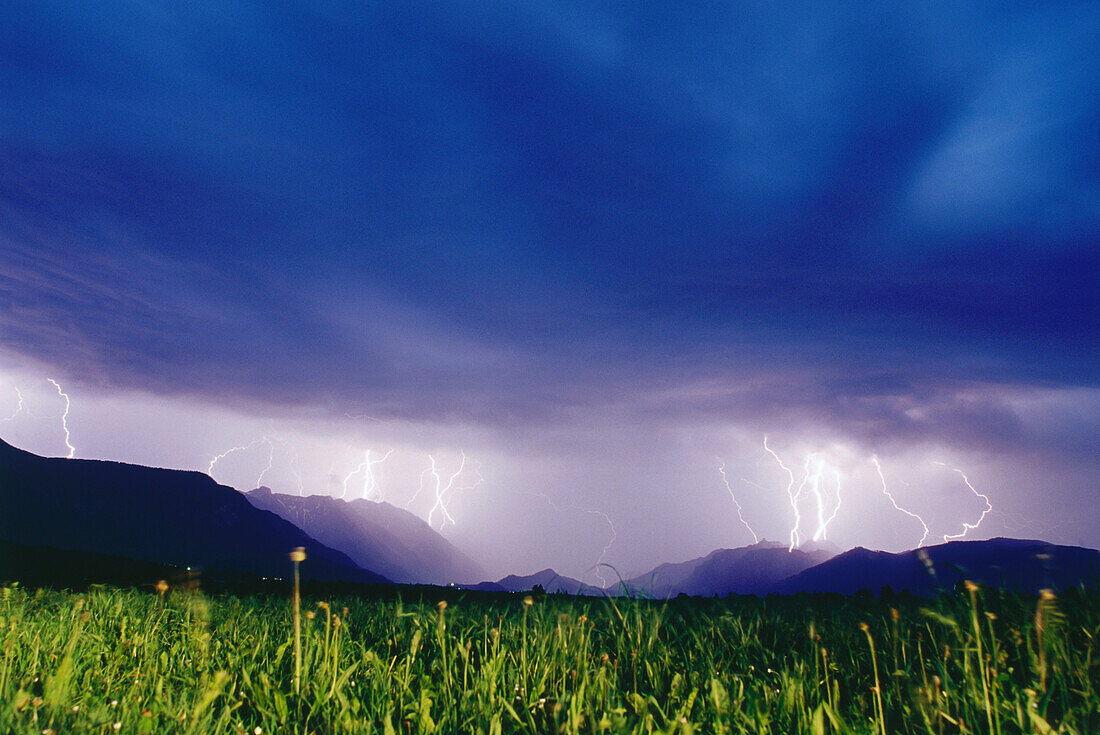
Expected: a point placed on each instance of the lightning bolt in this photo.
(442, 488)
(790, 494)
(725, 481)
(226, 453)
(367, 468)
(270, 461)
(358, 416)
(65, 418)
(813, 480)
(878, 468)
(595, 568)
(988, 506)
(19, 408)
(296, 469)
(836, 509)
(419, 489)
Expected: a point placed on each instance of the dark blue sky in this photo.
(878, 222)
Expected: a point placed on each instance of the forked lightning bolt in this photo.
(886, 492)
(988, 506)
(64, 418)
(740, 515)
(270, 441)
(370, 484)
(442, 488)
(790, 494)
(812, 478)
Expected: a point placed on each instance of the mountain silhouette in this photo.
(1017, 564)
(375, 535)
(743, 571)
(548, 579)
(145, 514)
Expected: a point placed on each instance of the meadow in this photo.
(117, 660)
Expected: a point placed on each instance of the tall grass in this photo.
(123, 661)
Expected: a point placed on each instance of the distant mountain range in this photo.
(744, 571)
(769, 568)
(79, 521)
(143, 514)
(549, 580)
(376, 535)
(1022, 565)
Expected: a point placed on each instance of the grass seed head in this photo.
(298, 555)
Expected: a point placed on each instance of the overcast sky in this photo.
(602, 249)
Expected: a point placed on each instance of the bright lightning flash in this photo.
(886, 492)
(65, 418)
(966, 526)
(740, 515)
(790, 494)
(370, 483)
(442, 488)
(226, 453)
(814, 469)
(270, 442)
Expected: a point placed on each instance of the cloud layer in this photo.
(871, 221)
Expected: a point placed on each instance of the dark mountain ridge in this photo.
(746, 570)
(375, 535)
(1017, 564)
(549, 580)
(174, 517)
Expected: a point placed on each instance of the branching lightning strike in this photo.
(370, 483)
(886, 492)
(442, 488)
(966, 526)
(813, 480)
(737, 504)
(65, 419)
(790, 494)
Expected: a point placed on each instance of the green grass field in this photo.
(124, 661)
